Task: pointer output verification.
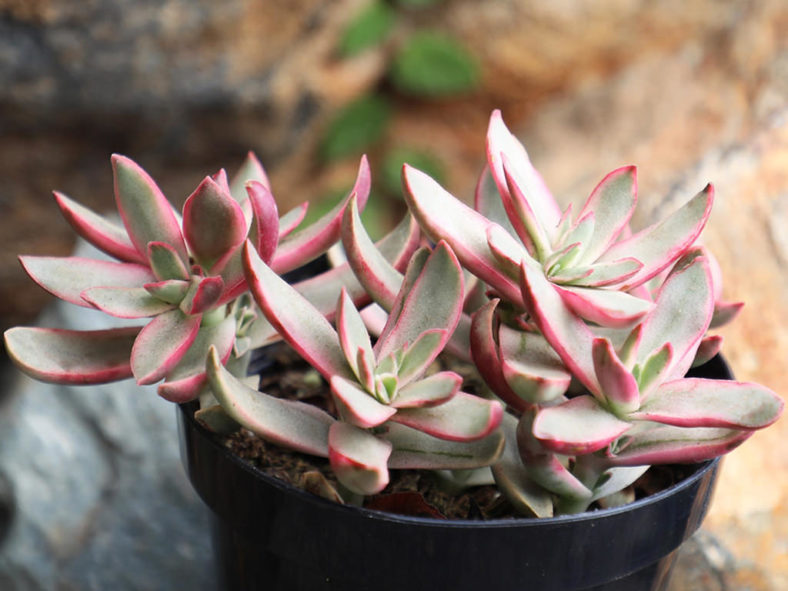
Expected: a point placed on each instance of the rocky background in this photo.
(690, 91)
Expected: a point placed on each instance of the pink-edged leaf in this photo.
(683, 310)
(599, 274)
(295, 318)
(566, 332)
(484, 351)
(709, 347)
(663, 243)
(697, 402)
(724, 313)
(213, 223)
(162, 344)
(171, 291)
(612, 203)
(652, 372)
(264, 232)
(513, 480)
(125, 302)
(500, 142)
(166, 263)
(419, 355)
(432, 301)
(358, 458)
(303, 245)
(358, 407)
(464, 417)
(289, 423)
(487, 201)
(187, 378)
(145, 211)
(665, 444)
(545, 467)
(365, 364)
(100, 232)
(72, 357)
(68, 277)
(352, 333)
(415, 449)
(203, 295)
(619, 386)
(220, 178)
(251, 170)
(380, 277)
(578, 426)
(614, 309)
(509, 253)
(531, 367)
(290, 220)
(615, 480)
(520, 212)
(444, 217)
(431, 391)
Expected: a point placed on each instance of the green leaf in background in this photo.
(391, 173)
(355, 127)
(432, 64)
(368, 28)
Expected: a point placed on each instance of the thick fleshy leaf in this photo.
(484, 351)
(380, 277)
(617, 479)
(165, 262)
(295, 318)
(612, 203)
(68, 277)
(290, 220)
(352, 333)
(487, 201)
(418, 356)
(697, 402)
(171, 291)
(433, 301)
(72, 357)
(186, 379)
(661, 244)
(566, 332)
(125, 302)
(444, 217)
(521, 213)
(213, 223)
(415, 449)
(708, 348)
(545, 467)
(203, 295)
(599, 274)
(292, 424)
(303, 245)
(509, 253)
(100, 232)
(161, 345)
(500, 141)
(724, 313)
(682, 314)
(264, 232)
(666, 444)
(464, 417)
(251, 170)
(614, 309)
(358, 407)
(145, 211)
(619, 386)
(578, 426)
(653, 370)
(511, 477)
(431, 391)
(358, 458)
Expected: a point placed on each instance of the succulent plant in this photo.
(184, 272)
(584, 329)
(389, 412)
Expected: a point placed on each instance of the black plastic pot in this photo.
(271, 536)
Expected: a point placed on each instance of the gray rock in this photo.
(99, 497)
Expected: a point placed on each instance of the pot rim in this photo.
(187, 409)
